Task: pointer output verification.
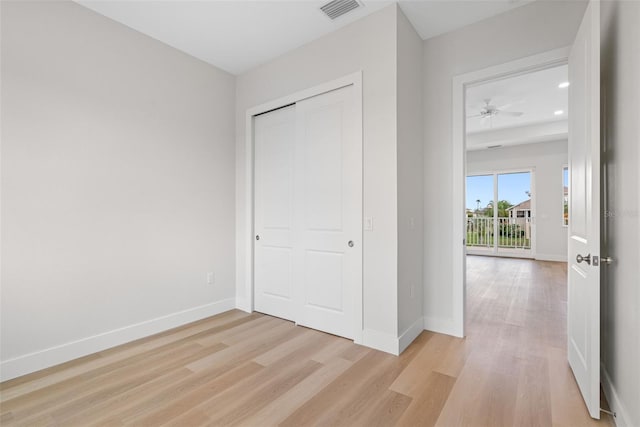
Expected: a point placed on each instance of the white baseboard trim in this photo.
(410, 334)
(622, 416)
(42, 359)
(551, 257)
(243, 304)
(380, 341)
(442, 326)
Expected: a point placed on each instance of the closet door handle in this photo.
(257, 237)
(350, 243)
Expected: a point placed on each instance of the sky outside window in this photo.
(513, 187)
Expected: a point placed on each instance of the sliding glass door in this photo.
(500, 214)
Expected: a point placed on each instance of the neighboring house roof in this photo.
(522, 206)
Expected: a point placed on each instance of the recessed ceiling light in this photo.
(558, 113)
(564, 85)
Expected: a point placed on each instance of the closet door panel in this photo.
(328, 252)
(275, 141)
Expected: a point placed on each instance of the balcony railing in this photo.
(512, 233)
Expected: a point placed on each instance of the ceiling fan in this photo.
(489, 111)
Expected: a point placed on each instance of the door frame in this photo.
(525, 65)
(355, 80)
(495, 251)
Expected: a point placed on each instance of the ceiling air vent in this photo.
(338, 8)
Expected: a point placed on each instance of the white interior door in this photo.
(275, 143)
(583, 329)
(328, 267)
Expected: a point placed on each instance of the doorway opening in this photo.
(516, 144)
(583, 235)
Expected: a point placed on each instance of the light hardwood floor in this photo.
(255, 370)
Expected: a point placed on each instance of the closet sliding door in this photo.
(329, 201)
(275, 140)
(308, 212)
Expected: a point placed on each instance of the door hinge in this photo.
(613, 414)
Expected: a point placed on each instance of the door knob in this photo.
(580, 258)
(257, 237)
(350, 243)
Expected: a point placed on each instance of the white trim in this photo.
(354, 79)
(243, 304)
(622, 416)
(380, 341)
(42, 359)
(410, 334)
(460, 83)
(551, 257)
(442, 326)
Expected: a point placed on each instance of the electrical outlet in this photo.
(211, 278)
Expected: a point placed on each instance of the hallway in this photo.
(516, 369)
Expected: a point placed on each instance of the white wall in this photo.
(620, 297)
(527, 30)
(410, 181)
(368, 45)
(548, 159)
(117, 185)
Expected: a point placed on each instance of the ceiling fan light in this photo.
(563, 85)
(558, 112)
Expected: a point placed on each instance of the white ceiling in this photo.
(237, 35)
(434, 17)
(535, 94)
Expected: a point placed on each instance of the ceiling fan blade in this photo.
(511, 113)
(511, 104)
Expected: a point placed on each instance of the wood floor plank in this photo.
(276, 411)
(333, 350)
(426, 406)
(71, 402)
(375, 392)
(181, 405)
(207, 374)
(387, 411)
(533, 403)
(134, 397)
(249, 396)
(257, 345)
(63, 391)
(250, 403)
(277, 353)
(344, 388)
